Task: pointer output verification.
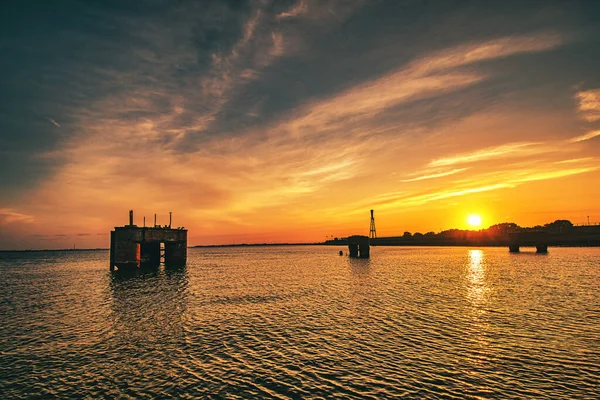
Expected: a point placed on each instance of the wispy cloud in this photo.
(161, 141)
(575, 160)
(508, 179)
(53, 122)
(589, 104)
(293, 156)
(480, 180)
(242, 115)
(8, 216)
(543, 175)
(412, 200)
(503, 151)
(297, 10)
(52, 237)
(429, 76)
(476, 52)
(435, 175)
(587, 136)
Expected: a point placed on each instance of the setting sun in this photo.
(474, 220)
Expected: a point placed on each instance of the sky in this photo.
(287, 121)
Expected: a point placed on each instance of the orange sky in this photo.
(445, 132)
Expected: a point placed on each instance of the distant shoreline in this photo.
(560, 233)
(583, 245)
(189, 247)
(257, 245)
(50, 250)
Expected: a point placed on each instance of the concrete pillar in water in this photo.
(112, 250)
(364, 251)
(513, 248)
(541, 248)
(175, 253)
(359, 246)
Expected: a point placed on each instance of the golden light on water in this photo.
(476, 278)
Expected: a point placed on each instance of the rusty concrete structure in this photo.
(359, 246)
(134, 246)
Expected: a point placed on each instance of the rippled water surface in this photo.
(303, 322)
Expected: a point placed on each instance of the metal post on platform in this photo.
(170, 218)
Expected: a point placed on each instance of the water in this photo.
(303, 322)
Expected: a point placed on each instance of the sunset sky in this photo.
(288, 121)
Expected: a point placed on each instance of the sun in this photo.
(474, 220)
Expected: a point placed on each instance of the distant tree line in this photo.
(563, 232)
(502, 229)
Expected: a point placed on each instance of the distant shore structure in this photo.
(537, 239)
(133, 246)
(373, 231)
(359, 246)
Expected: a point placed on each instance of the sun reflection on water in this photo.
(477, 289)
(478, 296)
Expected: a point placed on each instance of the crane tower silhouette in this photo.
(372, 232)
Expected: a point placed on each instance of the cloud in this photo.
(484, 178)
(321, 142)
(508, 179)
(502, 151)
(497, 48)
(412, 200)
(53, 122)
(8, 216)
(589, 104)
(351, 112)
(543, 175)
(574, 160)
(587, 136)
(220, 111)
(435, 175)
(52, 237)
(299, 9)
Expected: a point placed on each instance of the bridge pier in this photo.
(359, 246)
(538, 239)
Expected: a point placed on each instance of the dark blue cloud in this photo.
(61, 60)
(383, 36)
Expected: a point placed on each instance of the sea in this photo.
(303, 322)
